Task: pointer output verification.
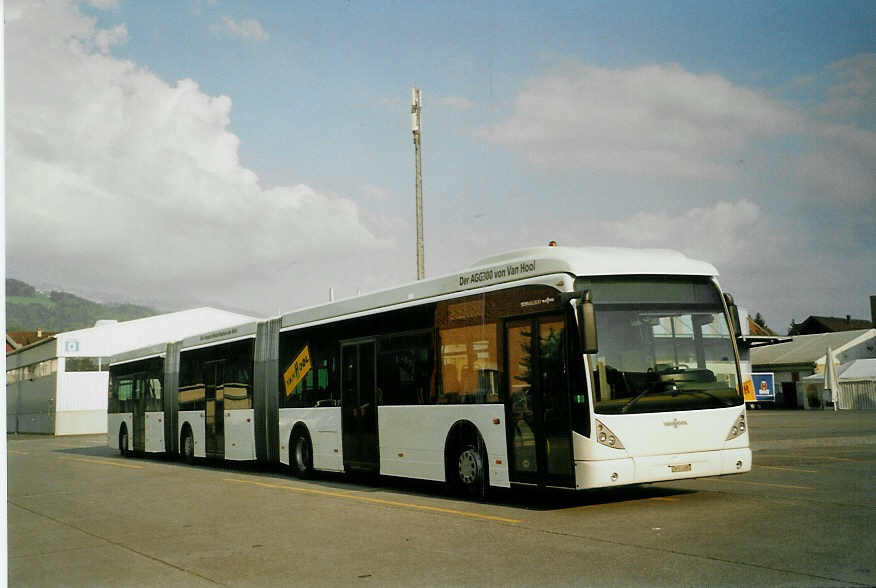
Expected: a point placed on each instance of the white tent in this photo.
(856, 384)
(831, 384)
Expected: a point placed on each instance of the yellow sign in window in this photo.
(297, 370)
(748, 391)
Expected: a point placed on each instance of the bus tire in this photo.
(301, 454)
(187, 445)
(123, 441)
(470, 469)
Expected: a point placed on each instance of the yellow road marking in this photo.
(351, 496)
(766, 484)
(15, 451)
(821, 457)
(785, 469)
(104, 462)
(664, 499)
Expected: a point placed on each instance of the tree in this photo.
(758, 319)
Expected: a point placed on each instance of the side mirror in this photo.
(734, 314)
(587, 324)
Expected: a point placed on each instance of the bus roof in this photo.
(512, 266)
(156, 350)
(217, 337)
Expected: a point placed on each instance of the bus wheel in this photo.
(188, 446)
(301, 455)
(123, 442)
(471, 473)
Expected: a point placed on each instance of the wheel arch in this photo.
(300, 427)
(123, 429)
(461, 432)
(305, 470)
(185, 428)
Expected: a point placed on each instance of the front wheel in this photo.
(301, 455)
(471, 472)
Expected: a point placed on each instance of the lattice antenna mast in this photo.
(416, 110)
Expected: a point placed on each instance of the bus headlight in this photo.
(738, 428)
(604, 436)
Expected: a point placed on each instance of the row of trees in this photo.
(759, 320)
(27, 309)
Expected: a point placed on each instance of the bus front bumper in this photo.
(659, 468)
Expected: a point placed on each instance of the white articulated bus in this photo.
(550, 366)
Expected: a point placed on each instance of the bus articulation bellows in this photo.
(551, 366)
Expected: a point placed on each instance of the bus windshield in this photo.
(664, 355)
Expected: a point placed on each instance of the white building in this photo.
(805, 355)
(59, 385)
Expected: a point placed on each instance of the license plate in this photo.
(684, 467)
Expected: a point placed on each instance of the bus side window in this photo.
(469, 365)
(404, 368)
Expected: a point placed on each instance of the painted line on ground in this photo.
(793, 487)
(808, 457)
(664, 499)
(784, 469)
(17, 452)
(350, 496)
(103, 462)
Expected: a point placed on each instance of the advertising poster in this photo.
(764, 387)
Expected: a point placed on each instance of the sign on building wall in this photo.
(764, 386)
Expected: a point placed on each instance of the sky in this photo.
(253, 155)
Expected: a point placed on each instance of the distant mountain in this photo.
(28, 309)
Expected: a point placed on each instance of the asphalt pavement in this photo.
(81, 515)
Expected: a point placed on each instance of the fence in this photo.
(852, 395)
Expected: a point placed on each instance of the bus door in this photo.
(539, 426)
(214, 418)
(139, 413)
(359, 405)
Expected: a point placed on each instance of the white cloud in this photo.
(106, 38)
(658, 120)
(855, 90)
(375, 192)
(393, 102)
(249, 29)
(454, 102)
(723, 233)
(103, 4)
(116, 177)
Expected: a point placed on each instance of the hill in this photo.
(28, 309)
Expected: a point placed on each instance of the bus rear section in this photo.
(135, 410)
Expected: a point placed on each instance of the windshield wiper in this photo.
(723, 401)
(675, 391)
(633, 401)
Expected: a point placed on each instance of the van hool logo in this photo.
(674, 423)
(528, 303)
(216, 334)
(496, 273)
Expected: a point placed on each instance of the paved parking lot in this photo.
(80, 515)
